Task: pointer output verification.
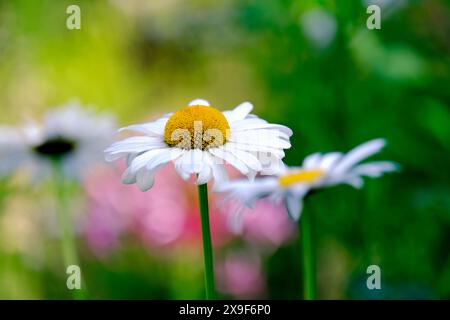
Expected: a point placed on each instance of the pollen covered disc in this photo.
(196, 127)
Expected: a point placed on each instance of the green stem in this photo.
(308, 266)
(207, 244)
(5, 190)
(68, 246)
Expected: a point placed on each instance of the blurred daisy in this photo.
(317, 171)
(199, 139)
(71, 135)
(11, 144)
(319, 27)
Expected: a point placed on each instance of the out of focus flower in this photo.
(317, 171)
(319, 27)
(71, 135)
(266, 225)
(11, 144)
(387, 7)
(240, 275)
(199, 139)
(168, 216)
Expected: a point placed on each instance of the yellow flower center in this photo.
(301, 176)
(196, 127)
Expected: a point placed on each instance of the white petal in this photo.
(128, 177)
(249, 191)
(299, 190)
(261, 134)
(358, 154)
(230, 158)
(199, 102)
(259, 139)
(294, 206)
(142, 160)
(249, 159)
(197, 160)
(248, 122)
(279, 153)
(186, 164)
(131, 157)
(114, 157)
(274, 166)
(145, 179)
(375, 169)
(255, 124)
(329, 160)
(190, 162)
(219, 172)
(312, 161)
(205, 175)
(354, 181)
(164, 157)
(132, 145)
(155, 128)
(236, 219)
(238, 113)
(179, 169)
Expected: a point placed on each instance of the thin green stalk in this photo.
(5, 190)
(308, 265)
(207, 244)
(68, 246)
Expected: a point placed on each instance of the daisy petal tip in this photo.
(246, 105)
(395, 167)
(145, 184)
(294, 207)
(380, 142)
(111, 157)
(144, 188)
(128, 180)
(199, 102)
(289, 131)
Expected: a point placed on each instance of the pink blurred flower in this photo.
(266, 226)
(241, 276)
(167, 215)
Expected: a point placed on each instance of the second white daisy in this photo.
(317, 171)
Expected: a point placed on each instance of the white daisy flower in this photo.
(199, 139)
(317, 171)
(71, 135)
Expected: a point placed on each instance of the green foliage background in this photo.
(140, 58)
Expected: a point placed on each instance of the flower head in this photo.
(317, 171)
(71, 135)
(200, 139)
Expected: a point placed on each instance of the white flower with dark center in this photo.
(71, 136)
(317, 171)
(200, 139)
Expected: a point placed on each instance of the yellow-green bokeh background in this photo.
(139, 59)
